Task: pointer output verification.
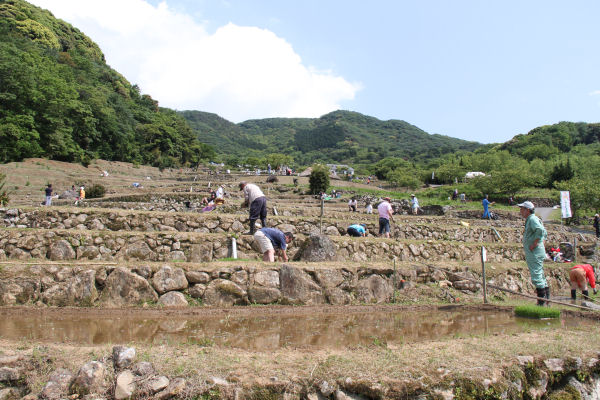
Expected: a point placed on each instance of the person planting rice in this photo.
(580, 275)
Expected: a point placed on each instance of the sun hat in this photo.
(412, 195)
(386, 199)
(527, 204)
(242, 184)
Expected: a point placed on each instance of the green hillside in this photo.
(59, 99)
(340, 136)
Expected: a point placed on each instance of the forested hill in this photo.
(340, 136)
(547, 141)
(59, 99)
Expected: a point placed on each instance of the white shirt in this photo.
(252, 192)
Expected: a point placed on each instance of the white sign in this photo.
(483, 254)
(565, 204)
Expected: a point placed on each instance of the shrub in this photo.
(319, 179)
(95, 191)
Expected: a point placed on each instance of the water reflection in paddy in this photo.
(266, 332)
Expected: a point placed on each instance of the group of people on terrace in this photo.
(273, 242)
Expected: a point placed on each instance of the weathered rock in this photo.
(18, 291)
(77, 291)
(538, 388)
(201, 252)
(157, 384)
(297, 287)
(58, 385)
(197, 291)
(143, 270)
(61, 250)
(89, 379)
(10, 361)
(8, 374)
(329, 278)
(267, 278)
(143, 368)
(317, 248)
(263, 295)
(555, 364)
(10, 394)
(137, 251)
(125, 288)
(122, 356)
(197, 277)
(221, 292)
(374, 289)
(176, 387)
(173, 299)
(168, 279)
(125, 385)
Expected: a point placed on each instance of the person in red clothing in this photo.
(580, 275)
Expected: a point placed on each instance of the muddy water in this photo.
(274, 331)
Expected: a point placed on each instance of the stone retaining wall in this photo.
(419, 228)
(24, 244)
(173, 286)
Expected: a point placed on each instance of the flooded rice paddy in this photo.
(267, 332)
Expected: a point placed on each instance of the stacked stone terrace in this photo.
(134, 248)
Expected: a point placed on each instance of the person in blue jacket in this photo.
(535, 252)
(357, 230)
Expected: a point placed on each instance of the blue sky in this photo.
(475, 70)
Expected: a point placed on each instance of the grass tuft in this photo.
(533, 311)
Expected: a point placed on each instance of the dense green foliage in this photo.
(338, 137)
(533, 311)
(59, 99)
(319, 179)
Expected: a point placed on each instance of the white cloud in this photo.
(238, 72)
(595, 93)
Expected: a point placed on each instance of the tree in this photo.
(319, 179)
(584, 193)
(404, 178)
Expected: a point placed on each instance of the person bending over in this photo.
(271, 241)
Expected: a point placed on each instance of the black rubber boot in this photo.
(574, 294)
(541, 292)
(547, 295)
(252, 226)
(263, 222)
(586, 294)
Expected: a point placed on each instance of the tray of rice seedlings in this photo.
(539, 312)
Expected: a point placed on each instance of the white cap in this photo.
(527, 204)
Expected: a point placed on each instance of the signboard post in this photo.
(483, 260)
(565, 204)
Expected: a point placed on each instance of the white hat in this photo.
(527, 204)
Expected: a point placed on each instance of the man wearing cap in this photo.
(385, 211)
(357, 230)
(256, 200)
(270, 240)
(533, 244)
